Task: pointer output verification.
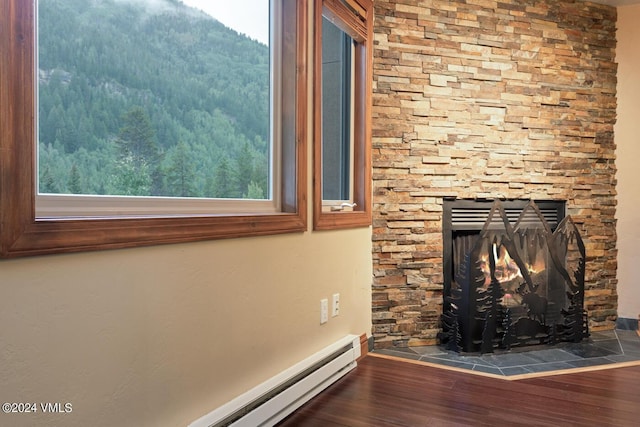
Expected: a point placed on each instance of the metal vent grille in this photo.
(472, 215)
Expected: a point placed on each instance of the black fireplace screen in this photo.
(512, 283)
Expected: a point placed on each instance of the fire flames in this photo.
(507, 269)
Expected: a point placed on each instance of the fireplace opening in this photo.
(513, 275)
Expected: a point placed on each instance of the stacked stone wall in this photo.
(485, 99)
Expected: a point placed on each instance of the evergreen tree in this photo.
(136, 137)
(47, 183)
(261, 173)
(74, 181)
(132, 179)
(254, 191)
(223, 182)
(244, 168)
(139, 151)
(181, 174)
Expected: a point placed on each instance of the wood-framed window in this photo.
(24, 232)
(342, 113)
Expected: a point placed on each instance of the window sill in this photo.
(75, 235)
(341, 220)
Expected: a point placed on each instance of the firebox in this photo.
(513, 275)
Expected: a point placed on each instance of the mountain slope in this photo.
(203, 87)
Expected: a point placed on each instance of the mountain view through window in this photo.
(150, 98)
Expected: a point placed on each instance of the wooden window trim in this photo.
(355, 17)
(21, 234)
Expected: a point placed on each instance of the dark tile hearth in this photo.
(601, 348)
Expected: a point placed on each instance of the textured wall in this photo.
(486, 99)
(627, 140)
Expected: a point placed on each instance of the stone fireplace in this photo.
(513, 275)
(487, 100)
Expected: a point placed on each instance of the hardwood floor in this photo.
(383, 392)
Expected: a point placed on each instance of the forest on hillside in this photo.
(149, 99)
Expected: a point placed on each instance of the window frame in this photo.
(354, 17)
(22, 234)
(343, 150)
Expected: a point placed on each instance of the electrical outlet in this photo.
(335, 307)
(324, 310)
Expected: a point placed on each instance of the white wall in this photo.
(161, 336)
(627, 135)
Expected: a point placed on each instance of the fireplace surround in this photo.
(513, 275)
(511, 113)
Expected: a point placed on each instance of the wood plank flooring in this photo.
(385, 392)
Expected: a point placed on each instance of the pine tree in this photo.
(138, 150)
(244, 169)
(75, 187)
(181, 174)
(254, 191)
(132, 179)
(223, 182)
(47, 183)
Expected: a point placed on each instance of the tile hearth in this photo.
(601, 348)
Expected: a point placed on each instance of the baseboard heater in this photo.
(274, 399)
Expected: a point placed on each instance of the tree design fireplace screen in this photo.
(516, 282)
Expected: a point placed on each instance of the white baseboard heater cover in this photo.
(274, 399)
